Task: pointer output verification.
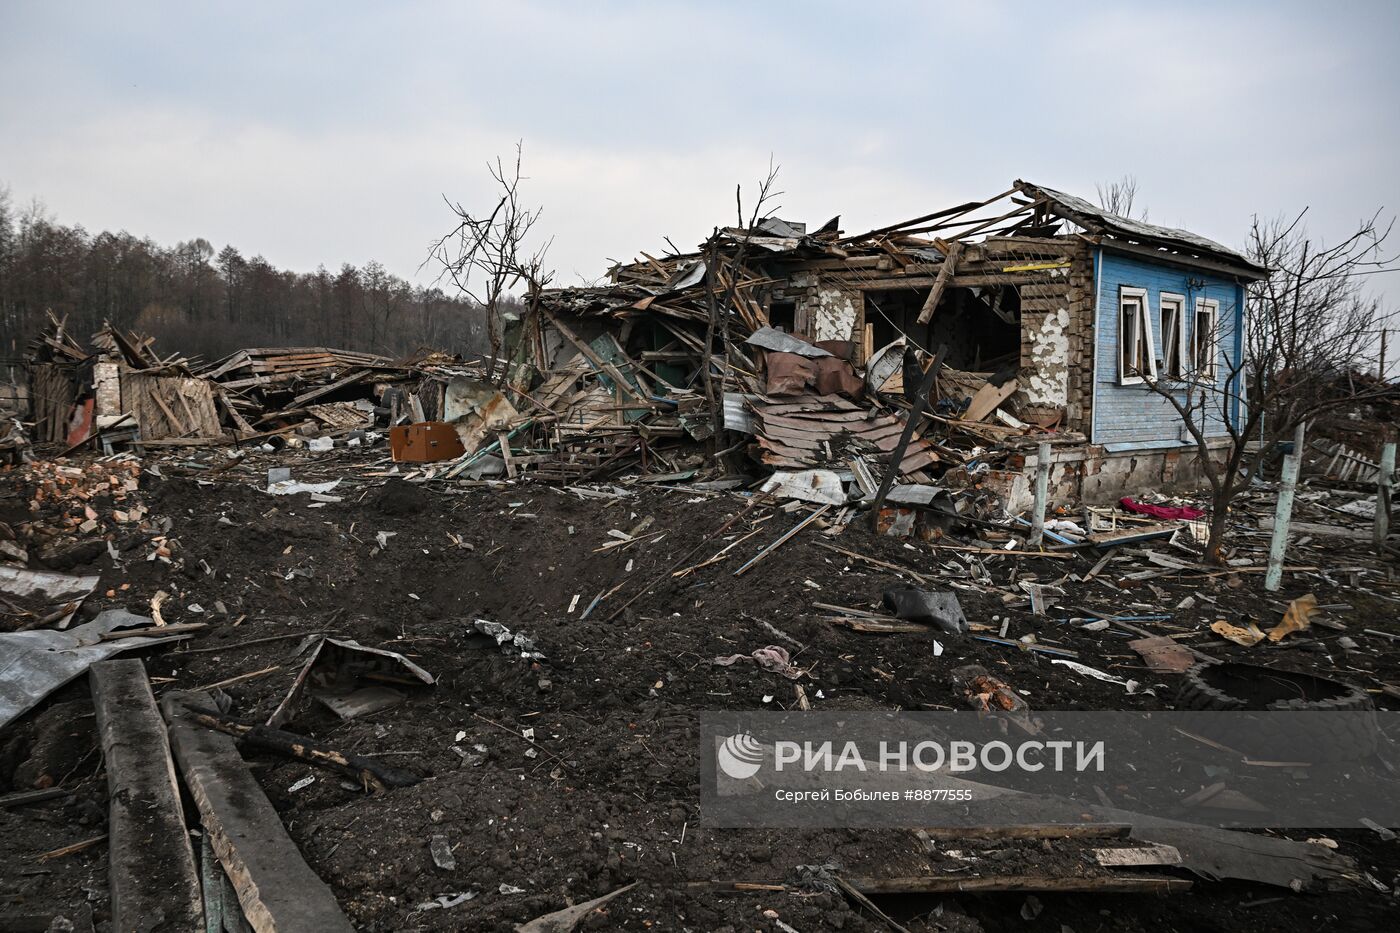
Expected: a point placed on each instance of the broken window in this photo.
(1136, 360)
(1173, 314)
(1203, 336)
(981, 327)
(783, 315)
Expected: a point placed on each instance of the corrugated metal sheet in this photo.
(816, 430)
(736, 416)
(1097, 220)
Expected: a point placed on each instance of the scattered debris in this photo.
(651, 491)
(350, 679)
(275, 887)
(447, 901)
(1162, 654)
(773, 658)
(939, 609)
(38, 598)
(518, 640)
(565, 920)
(34, 664)
(1247, 635)
(1129, 685)
(1296, 617)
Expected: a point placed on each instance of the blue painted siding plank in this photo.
(1126, 414)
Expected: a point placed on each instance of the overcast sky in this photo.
(324, 133)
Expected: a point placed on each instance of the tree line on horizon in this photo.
(200, 302)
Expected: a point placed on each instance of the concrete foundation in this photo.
(1087, 473)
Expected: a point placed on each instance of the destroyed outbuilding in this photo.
(1054, 314)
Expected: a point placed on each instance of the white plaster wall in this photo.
(1048, 382)
(836, 314)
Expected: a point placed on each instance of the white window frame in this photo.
(1211, 307)
(1140, 334)
(1178, 332)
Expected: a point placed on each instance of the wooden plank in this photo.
(1205, 850)
(326, 389)
(503, 439)
(278, 891)
(598, 362)
(24, 798)
(948, 884)
(151, 866)
(945, 275)
(153, 393)
(988, 399)
(1031, 831)
(193, 441)
(880, 626)
(239, 421)
(1139, 856)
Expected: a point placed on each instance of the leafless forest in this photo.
(202, 301)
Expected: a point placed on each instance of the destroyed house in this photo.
(1057, 317)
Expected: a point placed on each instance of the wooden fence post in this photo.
(1042, 484)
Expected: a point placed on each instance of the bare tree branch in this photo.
(485, 256)
(1309, 328)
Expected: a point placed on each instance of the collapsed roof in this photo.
(1099, 222)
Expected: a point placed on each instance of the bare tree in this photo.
(485, 256)
(384, 296)
(1118, 197)
(1309, 327)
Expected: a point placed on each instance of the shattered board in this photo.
(816, 430)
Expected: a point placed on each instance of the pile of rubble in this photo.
(74, 509)
(119, 394)
(372, 740)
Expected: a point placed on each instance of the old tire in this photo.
(1260, 692)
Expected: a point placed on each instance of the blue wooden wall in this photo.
(1133, 416)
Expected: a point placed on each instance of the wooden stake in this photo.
(897, 456)
(1278, 546)
(1042, 481)
(1383, 480)
(504, 441)
(73, 849)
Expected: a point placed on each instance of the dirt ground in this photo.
(607, 793)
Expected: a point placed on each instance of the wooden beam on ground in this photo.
(278, 891)
(1030, 831)
(151, 866)
(1090, 884)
